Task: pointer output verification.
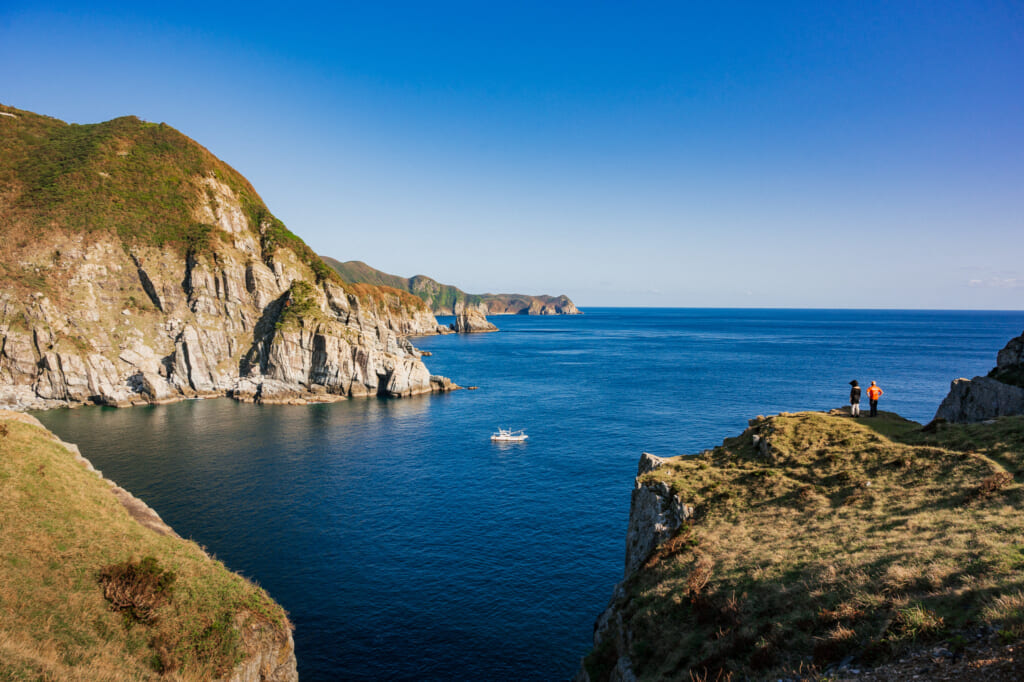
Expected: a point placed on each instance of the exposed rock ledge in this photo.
(997, 395)
(270, 651)
(655, 514)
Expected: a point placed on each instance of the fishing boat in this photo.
(509, 436)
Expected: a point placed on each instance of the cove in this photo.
(405, 545)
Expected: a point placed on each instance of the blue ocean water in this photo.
(406, 546)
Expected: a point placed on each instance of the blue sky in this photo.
(843, 154)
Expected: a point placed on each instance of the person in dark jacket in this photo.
(854, 399)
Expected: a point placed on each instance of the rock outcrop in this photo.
(655, 514)
(470, 320)
(999, 394)
(220, 300)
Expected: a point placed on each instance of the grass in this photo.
(841, 537)
(300, 304)
(138, 179)
(88, 593)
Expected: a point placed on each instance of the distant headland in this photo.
(445, 299)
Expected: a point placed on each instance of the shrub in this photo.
(990, 485)
(137, 588)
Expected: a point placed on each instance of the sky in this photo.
(731, 154)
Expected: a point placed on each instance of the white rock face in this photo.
(154, 326)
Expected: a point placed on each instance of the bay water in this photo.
(407, 546)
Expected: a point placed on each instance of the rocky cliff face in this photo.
(148, 326)
(217, 299)
(470, 320)
(999, 394)
(655, 514)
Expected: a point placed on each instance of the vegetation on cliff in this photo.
(143, 181)
(819, 538)
(86, 592)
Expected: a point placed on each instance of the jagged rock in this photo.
(655, 513)
(1012, 354)
(999, 394)
(980, 399)
(471, 320)
(202, 325)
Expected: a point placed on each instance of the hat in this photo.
(853, 383)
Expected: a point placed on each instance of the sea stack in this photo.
(470, 320)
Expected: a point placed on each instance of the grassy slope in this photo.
(137, 179)
(60, 527)
(850, 537)
(437, 296)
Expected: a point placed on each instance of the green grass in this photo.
(65, 539)
(300, 304)
(140, 180)
(842, 537)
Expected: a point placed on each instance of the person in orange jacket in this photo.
(874, 393)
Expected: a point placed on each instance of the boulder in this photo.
(999, 394)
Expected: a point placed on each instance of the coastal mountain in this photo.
(139, 268)
(445, 299)
(95, 586)
(816, 545)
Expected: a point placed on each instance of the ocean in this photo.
(407, 546)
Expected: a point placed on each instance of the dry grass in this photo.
(64, 539)
(842, 537)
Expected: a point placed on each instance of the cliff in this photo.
(95, 586)
(139, 268)
(814, 544)
(999, 394)
(445, 299)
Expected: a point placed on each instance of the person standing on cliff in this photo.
(854, 399)
(874, 393)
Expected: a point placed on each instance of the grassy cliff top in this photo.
(70, 554)
(832, 538)
(139, 180)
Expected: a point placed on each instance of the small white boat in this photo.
(509, 436)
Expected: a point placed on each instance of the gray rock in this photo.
(983, 398)
(655, 513)
(470, 320)
(980, 399)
